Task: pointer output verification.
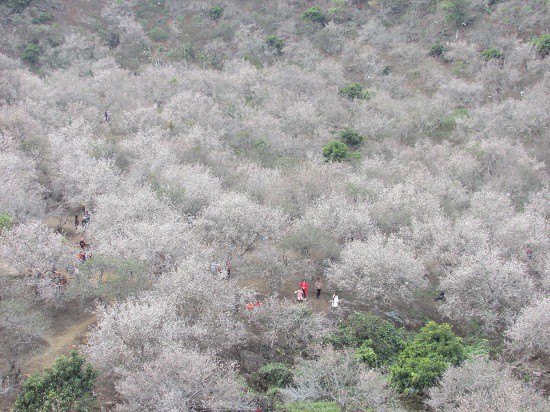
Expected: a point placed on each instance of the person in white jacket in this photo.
(335, 300)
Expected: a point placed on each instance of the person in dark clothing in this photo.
(440, 296)
(76, 222)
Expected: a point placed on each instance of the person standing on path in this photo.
(76, 222)
(299, 295)
(335, 300)
(304, 286)
(318, 286)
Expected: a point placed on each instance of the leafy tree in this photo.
(492, 53)
(378, 341)
(336, 152)
(314, 14)
(17, 5)
(215, 12)
(542, 44)
(158, 34)
(437, 50)
(351, 137)
(457, 11)
(5, 222)
(31, 53)
(42, 18)
(67, 385)
(274, 42)
(355, 91)
(273, 375)
(425, 359)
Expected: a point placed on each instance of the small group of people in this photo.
(302, 292)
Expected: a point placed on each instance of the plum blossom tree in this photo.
(135, 224)
(487, 289)
(382, 270)
(22, 194)
(35, 250)
(236, 221)
(529, 335)
(188, 380)
(339, 376)
(483, 385)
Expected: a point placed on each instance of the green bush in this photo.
(66, 386)
(363, 331)
(350, 137)
(314, 14)
(275, 42)
(336, 151)
(42, 18)
(17, 5)
(437, 50)
(456, 11)
(492, 53)
(365, 353)
(320, 406)
(425, 359)
(542, 44)
(31, 53)
(158, 34)
(215, 12)
(5, 222)
(355, 91)
(272, 375)
(113, 40)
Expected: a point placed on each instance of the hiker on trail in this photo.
(318, 286)
(304, 286)
(228, 268)
(440, 296)
(529, 253)
(83, 207)
(86, 219)
(335, 300)
(76, 222)
(82, 243)
(299, 295)
(106, 117)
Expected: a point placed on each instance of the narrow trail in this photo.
(60, 342)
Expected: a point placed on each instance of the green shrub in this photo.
(5, 222)
(437, 50)
(542, 44)
(113, 40)
(365, 353)
(456, 11)
(363, 330)
(320, 406)
(350, 137)
(272, 375)
(355, 91)
(184, 51)
(31, 53)
(386, 70)
(425, 359)
(314, 14)
(215, 12)
(158, 34)
(17, 5)
(336, 151)
(66, 386)
(275, 42)
(42, 18)
(492, 53)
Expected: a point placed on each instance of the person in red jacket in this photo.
(304, 286)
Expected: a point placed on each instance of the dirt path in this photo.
(60, 342)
